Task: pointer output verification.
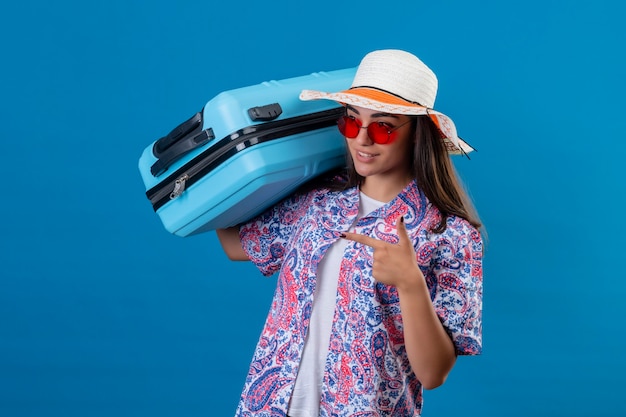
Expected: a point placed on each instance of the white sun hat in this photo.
(396, 82)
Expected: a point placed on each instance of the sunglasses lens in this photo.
(348, 127)
(379, 133)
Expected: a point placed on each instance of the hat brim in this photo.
(384, 102)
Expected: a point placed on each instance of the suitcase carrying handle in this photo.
(184, 138)
(185, 128)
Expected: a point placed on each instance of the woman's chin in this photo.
(363, 171)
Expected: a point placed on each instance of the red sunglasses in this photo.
(379, 132)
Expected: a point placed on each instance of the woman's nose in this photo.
(363, 137)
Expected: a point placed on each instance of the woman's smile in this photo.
(365, 156)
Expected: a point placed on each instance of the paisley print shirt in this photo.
(367, 371)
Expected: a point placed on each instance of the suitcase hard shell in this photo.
(244, 151)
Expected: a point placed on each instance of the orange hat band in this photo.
(380, 96)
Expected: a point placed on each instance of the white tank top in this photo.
(305, 399)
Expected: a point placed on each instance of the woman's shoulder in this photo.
(460, 225)
(457, 227)
(432, 215)
(462, 235)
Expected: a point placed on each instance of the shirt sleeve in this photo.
(265, 238)
(456, 284)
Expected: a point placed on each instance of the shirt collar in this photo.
(410, 203)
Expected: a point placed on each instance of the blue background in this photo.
(104, 313)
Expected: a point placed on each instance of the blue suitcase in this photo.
(245, 150)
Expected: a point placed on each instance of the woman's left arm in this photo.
(429, 348)
(428, 345)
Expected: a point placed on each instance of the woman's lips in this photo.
(365, 156)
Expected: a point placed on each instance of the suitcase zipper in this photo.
(206, 161)
(179, 186)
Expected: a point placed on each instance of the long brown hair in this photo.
(433, 171)
(437, 178)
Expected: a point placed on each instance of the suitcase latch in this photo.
(265, 113)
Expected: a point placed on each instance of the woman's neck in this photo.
(383, 189)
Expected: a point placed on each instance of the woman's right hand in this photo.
(231, 243)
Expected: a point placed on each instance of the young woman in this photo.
(380, 270)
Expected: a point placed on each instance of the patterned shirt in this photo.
(367, 370)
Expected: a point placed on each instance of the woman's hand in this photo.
(229, 238)
(393, 264)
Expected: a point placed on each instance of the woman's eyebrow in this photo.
(349, 107)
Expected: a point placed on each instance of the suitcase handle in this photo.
(183, 138)
(179, 132)
(174, 152)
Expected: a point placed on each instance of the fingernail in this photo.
(342, 235)
(402, 219)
